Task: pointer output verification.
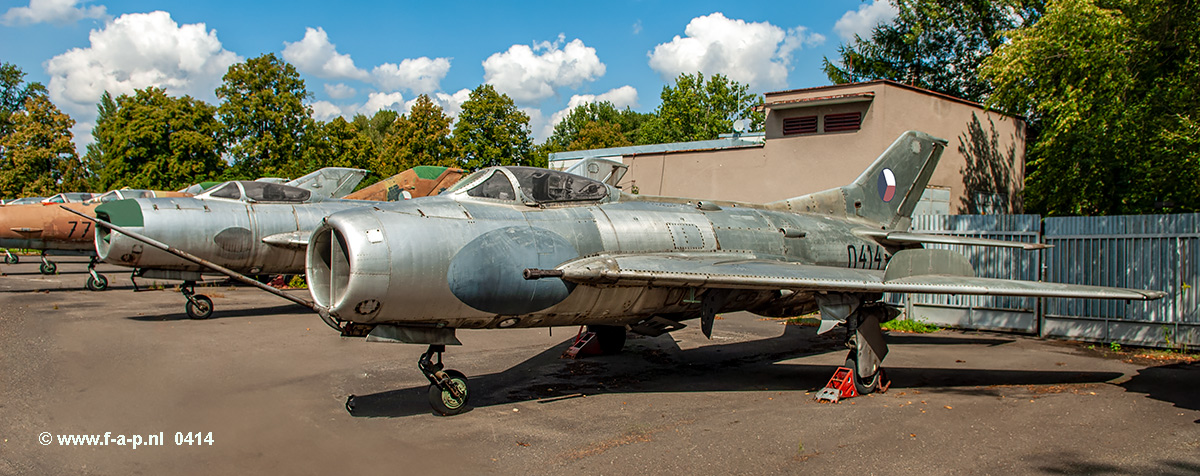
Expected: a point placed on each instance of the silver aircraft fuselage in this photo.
(456, 260)
(252, 236)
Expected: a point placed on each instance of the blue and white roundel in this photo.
(887, 185)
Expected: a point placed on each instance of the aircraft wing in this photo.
(741, 271)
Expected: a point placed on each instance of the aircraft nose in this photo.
(347, 266)
(123, 213)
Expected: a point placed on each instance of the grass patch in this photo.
(913, 326)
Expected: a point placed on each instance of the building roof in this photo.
(693, 146)
(835, 87)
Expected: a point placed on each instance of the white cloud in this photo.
(136, 51)
(450, 103)
(419, 75)
(340, 91)
(52, 11)
(530, 74)
(380, 101)
(622, 97)
(325, 110)
(860, 22)
(756, 54)
(315, 55)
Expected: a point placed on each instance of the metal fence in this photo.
(1147, 252)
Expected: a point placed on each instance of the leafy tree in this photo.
(604, 114)
(421, 137)
(39, 157)
(934, 44)
(154, 141)
(599, 135)
(265, 117)
(377, 127)
(696, 108)
(1112, 85)
(338, 143)
(13, 94)
(491, 131)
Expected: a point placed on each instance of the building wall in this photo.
(982, 167)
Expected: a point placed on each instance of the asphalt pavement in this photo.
(261, 388)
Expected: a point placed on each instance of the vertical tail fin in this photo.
(888, 190)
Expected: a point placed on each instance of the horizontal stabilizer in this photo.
(902, 238)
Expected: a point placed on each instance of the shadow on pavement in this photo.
(1173, 383)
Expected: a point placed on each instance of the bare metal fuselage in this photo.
(227, 232)
(454, 261)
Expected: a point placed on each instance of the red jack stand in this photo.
(840, 386)
(585, 343)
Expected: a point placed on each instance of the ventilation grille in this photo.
(800, 125)
(848, 121)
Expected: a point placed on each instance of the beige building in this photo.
(821, 138)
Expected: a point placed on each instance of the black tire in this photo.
(443, 401)
(14, 259)
(201, 309)
(94, 284)
(48, 267)
(861, 385)
(612, 338)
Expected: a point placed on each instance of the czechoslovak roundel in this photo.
(887, 185)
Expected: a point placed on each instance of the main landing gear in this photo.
(198, 306)
(10, 258)
(47, 267)
(95, 281)
(861, 314)
(448, 388)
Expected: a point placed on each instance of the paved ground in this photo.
(269, 382)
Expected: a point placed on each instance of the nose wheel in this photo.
(198, 306)
(10, 258)
(448, 392)
(95, 281)
(47, 267)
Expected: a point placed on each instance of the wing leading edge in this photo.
(743, 271)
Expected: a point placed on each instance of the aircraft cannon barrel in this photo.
(534, 273)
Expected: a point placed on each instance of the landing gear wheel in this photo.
(443, 400)
(48, 267)
(862, 385)
(11, 259)
(199, 307)
(612, 338)
(97, 283)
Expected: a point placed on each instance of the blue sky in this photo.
(358, 57)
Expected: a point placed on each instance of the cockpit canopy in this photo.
(69, 197)
(537, 186)
(249, 191)
(121, 194)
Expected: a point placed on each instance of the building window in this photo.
(847, 121)
(799, 125)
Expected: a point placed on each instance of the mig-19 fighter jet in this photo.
(256, 228)
(526, 247)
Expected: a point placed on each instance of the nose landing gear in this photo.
(198, 306)
(95, 281)
(47, 267)
(448, 388)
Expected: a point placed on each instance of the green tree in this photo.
(377, 127)
(604, 114)
(265, 117)
(39, 157)
(696, 108)
(338, 143)
(491, 131)
(421, 137)
(1112, 86)
(13, 94)
(934, 44)
(154, 141)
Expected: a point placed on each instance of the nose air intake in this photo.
(329, 266)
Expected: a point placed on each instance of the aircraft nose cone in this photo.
(347, 266)
(123, 213)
